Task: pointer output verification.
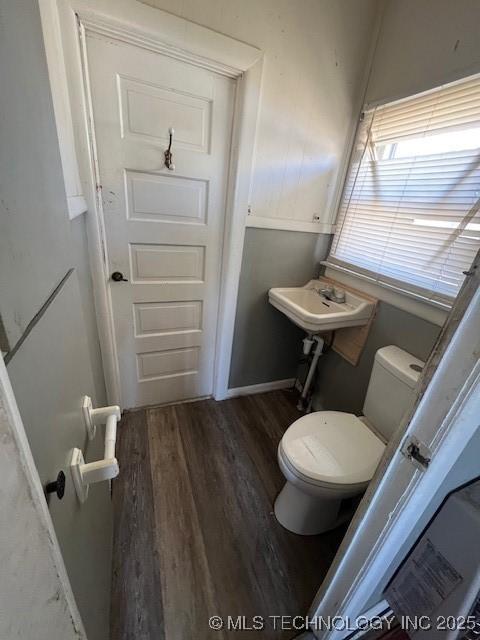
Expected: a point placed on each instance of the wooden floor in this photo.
(195, 535)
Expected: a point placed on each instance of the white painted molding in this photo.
(166, 33)
(160, 31)
(242, 157)
(282, 224)
(95, 222)
(260, 388)
(72, 51)
(61, 105)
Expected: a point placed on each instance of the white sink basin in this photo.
(314, 313)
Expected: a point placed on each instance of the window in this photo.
(409, 215)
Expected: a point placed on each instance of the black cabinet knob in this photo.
(117, 276)
(58, 486)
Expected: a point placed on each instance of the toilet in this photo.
(328, 456)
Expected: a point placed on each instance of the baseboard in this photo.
(261, 388)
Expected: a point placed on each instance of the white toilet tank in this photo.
(390, 391)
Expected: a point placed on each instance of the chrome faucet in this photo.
(332, 293)
(326, 292)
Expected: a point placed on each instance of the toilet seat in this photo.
(332, 448)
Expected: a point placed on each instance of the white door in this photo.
(164, 228)
(35, 592)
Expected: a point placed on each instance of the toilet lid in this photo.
(332, 447)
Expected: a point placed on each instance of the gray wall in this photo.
(266, 345)
(58, 360)
(342, 386)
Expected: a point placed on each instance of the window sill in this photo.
(407, 302)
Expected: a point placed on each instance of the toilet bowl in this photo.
(329, 456)
(325, 456)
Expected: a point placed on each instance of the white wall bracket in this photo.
(84, 474)
(92, 416)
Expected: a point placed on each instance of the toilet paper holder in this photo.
(85, 474)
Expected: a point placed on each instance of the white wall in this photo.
(315, 58)
(422, 44)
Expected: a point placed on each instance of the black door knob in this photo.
(117, 276)
(58, 486)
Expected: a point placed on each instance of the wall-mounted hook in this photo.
(168, 153)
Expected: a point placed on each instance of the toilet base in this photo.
(305, 514)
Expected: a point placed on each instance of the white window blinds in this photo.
(409, 215)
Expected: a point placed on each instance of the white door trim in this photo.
(170, 35)
(57, 74)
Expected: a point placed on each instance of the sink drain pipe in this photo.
(318, 341)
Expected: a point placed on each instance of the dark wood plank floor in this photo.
(195, 535)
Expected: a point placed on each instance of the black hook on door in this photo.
(168, 152)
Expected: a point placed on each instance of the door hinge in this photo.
(417, 452)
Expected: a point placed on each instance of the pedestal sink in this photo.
(314, 313)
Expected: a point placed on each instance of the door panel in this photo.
(165, 317)
(146, 108)
(167, 263)
(157, 364)
(50, 405)
(162, 198)
(164, 229)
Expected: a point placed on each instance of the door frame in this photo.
(401, 498)
(161, 32)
